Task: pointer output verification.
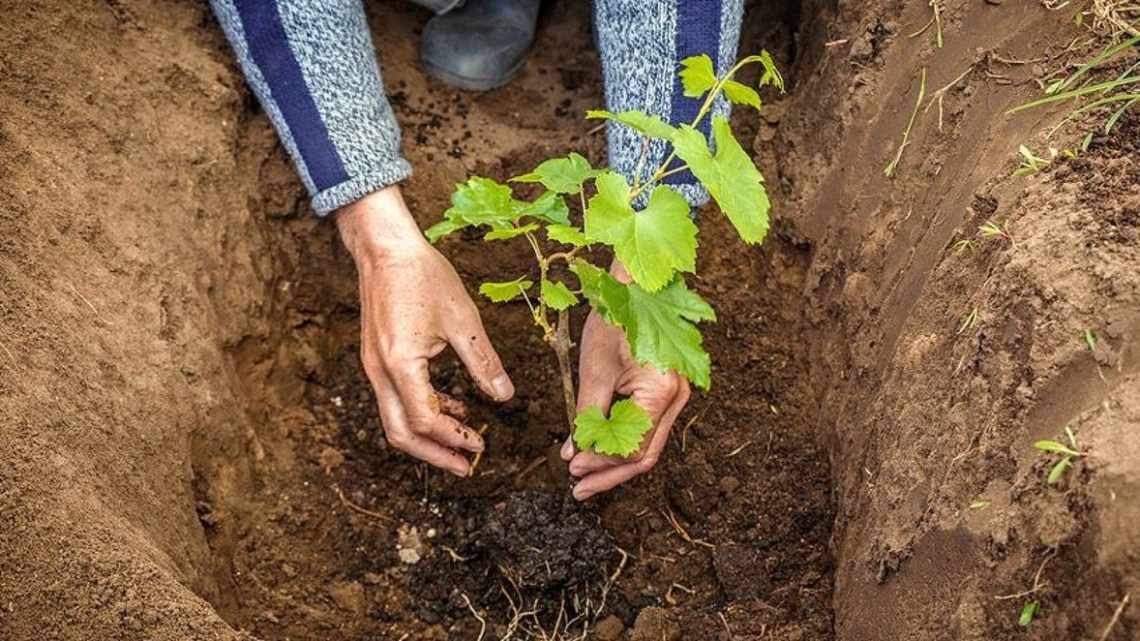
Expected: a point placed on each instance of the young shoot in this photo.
(1067, 453)
(657, 243)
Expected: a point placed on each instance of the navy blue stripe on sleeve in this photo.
(270, 50)
(698, 31)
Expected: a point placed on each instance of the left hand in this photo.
(606, 367)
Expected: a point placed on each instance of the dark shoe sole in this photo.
(471, 84)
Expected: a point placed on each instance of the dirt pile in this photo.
(193, 451)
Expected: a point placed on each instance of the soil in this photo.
(192, 450)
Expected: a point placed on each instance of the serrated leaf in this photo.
(482, 201)
(654, 243)
(741, 94)
(441, 229)
(501, 292)
(557, 296)
(1058, 470)
(561, 175)
(549, 207)
(651, 126)
(590, 282)
(771, 75)
(697, 75)
(1048, 445)
(567, 235)
(510, 232)
(659, 326)
(730, 177)
(618, 435)
(1028, 611)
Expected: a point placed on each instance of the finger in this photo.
(433, 453)
(470, 342)
(588, 462)
(610, 478)
(451, 406)
(567, 451)
(422, 405)
(450, 432)
(594, 388)
(401, 437)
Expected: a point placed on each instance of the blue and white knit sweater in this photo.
(314, 69)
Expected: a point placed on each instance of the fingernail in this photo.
(567, 450)
(580, 494)
(503, 387)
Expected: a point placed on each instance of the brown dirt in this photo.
(193, 451)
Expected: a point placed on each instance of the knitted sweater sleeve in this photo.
(642, 45)
(313, 67)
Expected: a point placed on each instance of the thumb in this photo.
(470, 342)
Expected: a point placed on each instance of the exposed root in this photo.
(1037, 583)
(681, 532)
(1115, 617)
(478, 455)
(480, 619)
(1114, 18)
(356, 508)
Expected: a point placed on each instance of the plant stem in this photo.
(560, 342)
(557, 337)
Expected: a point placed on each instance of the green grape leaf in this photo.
(697, 75)
(441, 229)
(651, 126)
(658, 325)
(561, 175)
(771, 75)
(731, 178)
(654, 243)
(505, 291)
(590, 279)
(510, 232)
(557, 295)
(567, 235)
(549, 207)
(741, 94)
(482, 201)
(618, 435)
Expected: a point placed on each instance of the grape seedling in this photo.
(656, 243)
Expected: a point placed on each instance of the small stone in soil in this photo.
(729, 484)
(653, 624)
(609, 628)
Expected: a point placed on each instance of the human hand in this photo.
(606, 366)
(412, 305)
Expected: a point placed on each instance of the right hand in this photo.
(412, 305)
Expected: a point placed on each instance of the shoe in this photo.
(482, 44)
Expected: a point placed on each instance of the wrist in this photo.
(379, 225)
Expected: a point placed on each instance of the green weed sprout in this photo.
(1028, 612)
(1067, 454)
(658, 244)
(1120, 92)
